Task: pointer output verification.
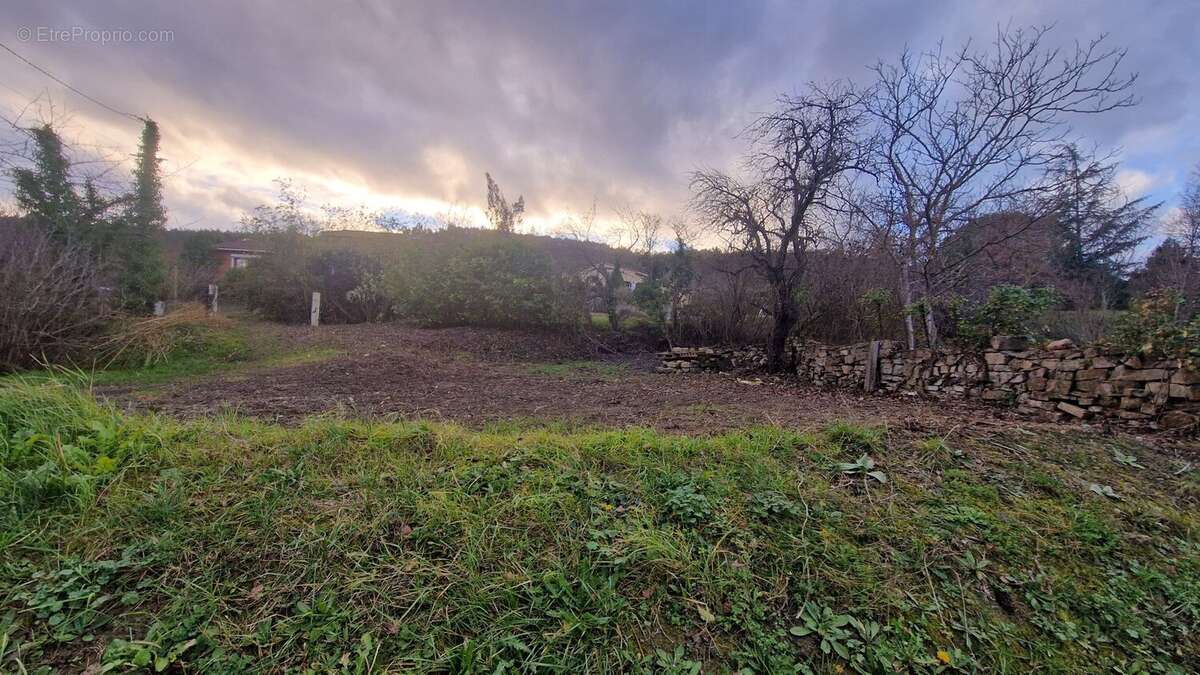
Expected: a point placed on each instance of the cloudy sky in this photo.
(406, 104)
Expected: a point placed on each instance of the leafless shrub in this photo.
(50, 305)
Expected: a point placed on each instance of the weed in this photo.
(687, 506)
(863, 466)
(828, 626)
(675, 663)
(770, 505)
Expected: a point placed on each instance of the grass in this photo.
(225, 545)
(201, 351)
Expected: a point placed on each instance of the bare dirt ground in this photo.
(475, 377)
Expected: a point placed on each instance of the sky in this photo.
(404, 105)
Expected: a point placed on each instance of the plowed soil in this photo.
(475, 377)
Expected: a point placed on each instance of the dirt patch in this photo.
(476, 377)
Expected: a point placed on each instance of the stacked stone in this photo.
(1065, 380)
(748, 358)
(694, 359)
(1055, 381)
(831, 366)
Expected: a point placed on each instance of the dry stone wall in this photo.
(1057, 380)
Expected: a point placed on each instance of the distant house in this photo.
(631, 277)
(236, 254)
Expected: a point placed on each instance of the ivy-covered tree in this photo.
(141, 261)
(44, 191)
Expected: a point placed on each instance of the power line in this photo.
(52, 76)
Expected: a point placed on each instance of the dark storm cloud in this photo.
(560, 101)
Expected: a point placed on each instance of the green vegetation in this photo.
(118, 230)
(194, 349)
(1152, 327)
(1009, 310)
(223, 545)
(233, 349)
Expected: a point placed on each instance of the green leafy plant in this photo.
(828, 626)
(688, 506)
(976, 566)
(1126, 460)
(1008, 310)
(675, 662)
(1153, 326)
(863, 466)
(770, 505)
(143, 655)
(76, 599)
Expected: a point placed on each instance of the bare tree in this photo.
(799, 154)
(976, 129)
(1184, 226)
(504, 217)
(1184, 229)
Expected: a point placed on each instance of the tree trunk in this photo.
(931, 328)
(785, 319)
(610, 306)
(907, 299)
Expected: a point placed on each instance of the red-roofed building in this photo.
(236, 254)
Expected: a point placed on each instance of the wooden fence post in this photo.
(315, 316)
(213, 292)
(871, 376)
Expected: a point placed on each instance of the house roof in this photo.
(628, 273)
(240, 246)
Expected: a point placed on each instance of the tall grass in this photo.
(225, 545)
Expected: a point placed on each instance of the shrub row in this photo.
(423, 279)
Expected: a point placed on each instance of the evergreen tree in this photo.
(1097, 227)
(679, 280)
(141, 275)
(44, 191)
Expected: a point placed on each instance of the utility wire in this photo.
(52, 76)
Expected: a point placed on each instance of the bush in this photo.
(1009, 310)
(1152, 327)
(425, 278)
(50, 305)
(507, 284)
(279, 286)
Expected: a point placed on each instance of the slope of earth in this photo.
(139, 543)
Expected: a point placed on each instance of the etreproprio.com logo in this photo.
(103, 36)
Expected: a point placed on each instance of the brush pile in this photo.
(151, 341)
